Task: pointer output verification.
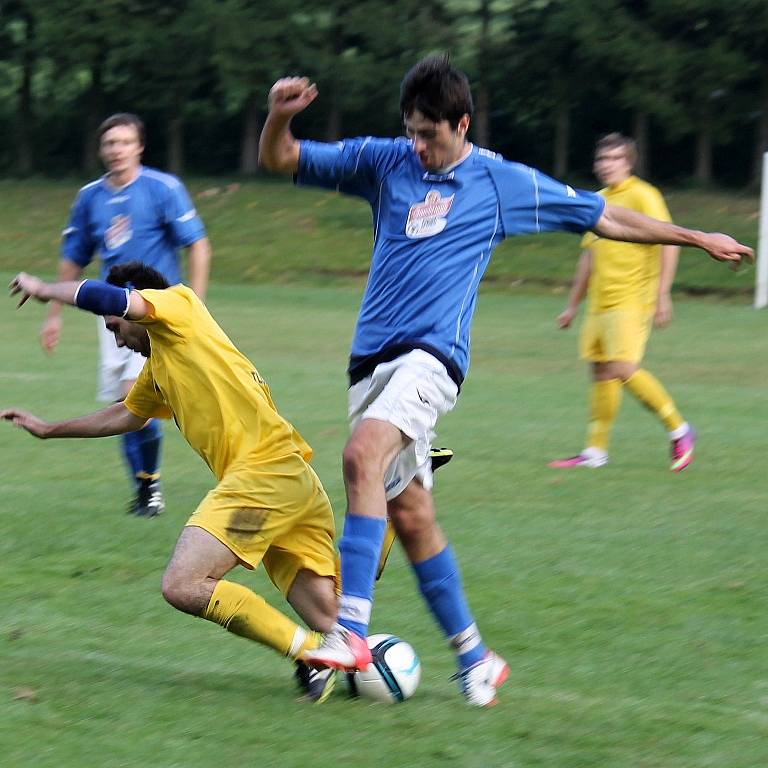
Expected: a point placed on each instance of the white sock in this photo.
(676, 434)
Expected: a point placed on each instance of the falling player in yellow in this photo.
(268, 506)
(628, 290)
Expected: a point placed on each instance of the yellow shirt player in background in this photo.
(628, 290)
(268, 506)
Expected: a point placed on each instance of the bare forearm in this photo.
(199, 266)
(115, 419)
(622, 224)
(68, 272)
(278, 148)
(669, 258)
(60, 293)
(580, 280)
(619, 223)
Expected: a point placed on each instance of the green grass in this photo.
(268, 231)
(630, 602)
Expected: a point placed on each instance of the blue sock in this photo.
(142, 450)
(440, 583)
(360, 548)
(132, 454)
(150, 438)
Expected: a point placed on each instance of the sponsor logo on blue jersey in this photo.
(428, 218)
(119, 232)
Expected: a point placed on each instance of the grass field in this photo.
(267, 231)
(630, 602)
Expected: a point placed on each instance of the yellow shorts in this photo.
(619, 334)
(276, 512)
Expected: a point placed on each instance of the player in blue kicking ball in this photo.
(440, 206)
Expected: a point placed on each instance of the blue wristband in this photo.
(102, 298)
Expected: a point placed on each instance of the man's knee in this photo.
(623, 369)
(362, 461)
(370, 449)
(176, 591)
(614, 369)
(355, 461)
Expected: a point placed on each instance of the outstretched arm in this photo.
(115, 419)
(618, 223)
(278, 147)
(91, 295)
(578, 289)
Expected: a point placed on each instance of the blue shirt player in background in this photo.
(440, 205)
(132, 213)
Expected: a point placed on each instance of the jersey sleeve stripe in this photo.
(538, 201)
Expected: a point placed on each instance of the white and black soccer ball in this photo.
(392, 676)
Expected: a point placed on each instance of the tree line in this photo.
(687, 78)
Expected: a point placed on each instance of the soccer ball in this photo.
(393, 674)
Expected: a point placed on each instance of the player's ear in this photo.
(463, 125)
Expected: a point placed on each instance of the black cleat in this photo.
(440, 457)
(315, 684)
(149, 499)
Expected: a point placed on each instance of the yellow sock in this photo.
(605, 397)
(244, 613)
(651, 393)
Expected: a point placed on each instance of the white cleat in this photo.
(479, 682)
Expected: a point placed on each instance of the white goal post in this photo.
(761, 279)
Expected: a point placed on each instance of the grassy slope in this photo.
(267, 231)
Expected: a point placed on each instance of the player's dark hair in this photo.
(438, 90)
(618, 141)
(122, 118)
(137, 274)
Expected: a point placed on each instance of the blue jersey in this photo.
(433, 237)
(147, 220)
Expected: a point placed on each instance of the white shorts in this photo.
(411, 393)
(117, 365)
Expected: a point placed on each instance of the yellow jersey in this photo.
(197, 376)
(626, 275)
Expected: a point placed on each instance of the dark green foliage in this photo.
(689, 79)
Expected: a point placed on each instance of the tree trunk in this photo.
(24, 110)
(175, 134)
(562, 139)
(761, 138)
(704, 148)
(249, 149)
(481, 122)
(481, 119)
(93, 117)
(640, 134)
(334, 122)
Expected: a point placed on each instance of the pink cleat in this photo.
(585, 459)
(682, 450)
(340, 649)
